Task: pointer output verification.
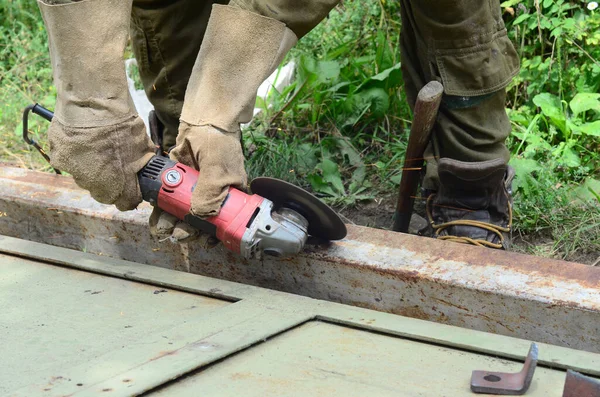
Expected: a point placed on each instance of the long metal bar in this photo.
(504, 293)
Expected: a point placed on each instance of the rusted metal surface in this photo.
(533, 298)
(507, 384)
(578, 385)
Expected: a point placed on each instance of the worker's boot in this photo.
(473, 204)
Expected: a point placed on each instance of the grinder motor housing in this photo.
(246, 224)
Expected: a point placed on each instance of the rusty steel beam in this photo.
(510, 294)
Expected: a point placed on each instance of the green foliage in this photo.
(347, 98)
(550, 214)
(555, 113)
(25, 78)
(558, 42)
(561, 137)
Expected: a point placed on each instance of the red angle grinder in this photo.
(276, 220)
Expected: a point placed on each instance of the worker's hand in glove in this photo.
(103, 159)
(219, 158)
(95, 134)
(218, 155)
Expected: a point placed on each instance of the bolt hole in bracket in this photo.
(506, 384)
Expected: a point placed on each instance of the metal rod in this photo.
(46, 114)
(488, 290)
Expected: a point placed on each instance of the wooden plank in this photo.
(304, 309)
(320, 359)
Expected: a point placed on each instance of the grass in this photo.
(25, 78)
(341, 128)
(553, 224)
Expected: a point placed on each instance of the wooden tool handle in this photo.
(425, 114)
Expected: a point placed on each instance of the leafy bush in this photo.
(347, 98)
(25, 78)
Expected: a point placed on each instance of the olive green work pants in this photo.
(464, 45)
(461, 43)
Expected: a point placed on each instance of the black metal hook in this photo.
(46, 114)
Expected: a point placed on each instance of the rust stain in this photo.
(408, 276)
(39, 178)
(435, 250)
(542, 282)
(30, 192)
(413, 312)
(356, 284)
(164, 354)
(241, 375)
(563, 304)
(451, 304)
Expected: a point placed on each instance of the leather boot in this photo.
(473, 204)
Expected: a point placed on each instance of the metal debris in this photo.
(506, 384)
(578, 385)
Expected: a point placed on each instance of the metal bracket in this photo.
(506, 384)
(578, 385)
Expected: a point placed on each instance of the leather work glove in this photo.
(239, 51)
(218, 155)
(221, 156)
(95, 135)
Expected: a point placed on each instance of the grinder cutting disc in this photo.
(323, 222)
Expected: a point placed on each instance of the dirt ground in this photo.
(380, 214)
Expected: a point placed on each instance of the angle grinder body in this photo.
(276, 220)
(247, 224)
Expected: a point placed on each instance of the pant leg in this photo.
(166, 37)
(464, 45)
(301, 16)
